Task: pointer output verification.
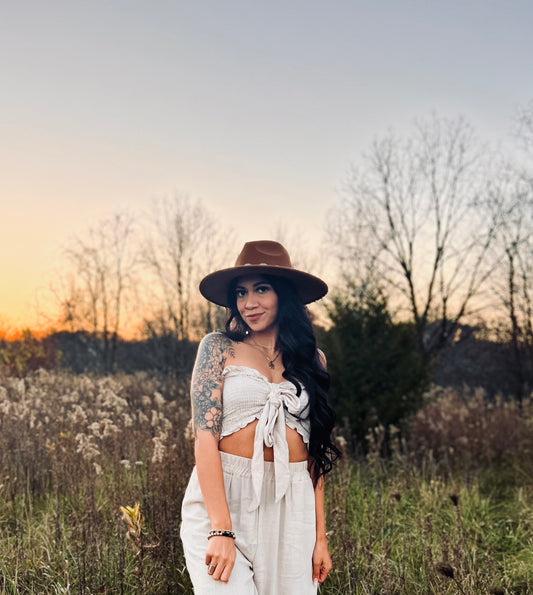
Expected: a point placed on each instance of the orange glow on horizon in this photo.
(16, 334)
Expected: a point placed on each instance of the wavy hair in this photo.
(297, 344)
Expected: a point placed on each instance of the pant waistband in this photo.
(242, 466)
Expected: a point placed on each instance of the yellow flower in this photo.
(134, 520)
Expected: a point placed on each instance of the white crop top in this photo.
(248, 395)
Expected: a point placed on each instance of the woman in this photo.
(253, 512)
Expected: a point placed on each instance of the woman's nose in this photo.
(251, 301)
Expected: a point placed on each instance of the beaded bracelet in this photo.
(221, 533)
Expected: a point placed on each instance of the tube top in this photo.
(248, 395)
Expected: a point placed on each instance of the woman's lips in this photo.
(254, 317)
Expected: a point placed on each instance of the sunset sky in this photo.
(257, 108)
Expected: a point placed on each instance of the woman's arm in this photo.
(321, 559)
(206, 401)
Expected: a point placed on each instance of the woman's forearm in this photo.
(321, 558)
(211, 479)
(319, 509)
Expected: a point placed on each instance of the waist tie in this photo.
(271, 431)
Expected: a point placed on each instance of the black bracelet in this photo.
(221, 533)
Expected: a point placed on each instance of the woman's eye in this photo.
(263, 288)
(240, 293)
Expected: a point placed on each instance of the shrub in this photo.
(377, 376)
(27, 354)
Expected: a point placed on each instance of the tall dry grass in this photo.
(73, 449)
(464, 432)
(436, 517)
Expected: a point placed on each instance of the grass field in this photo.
(450, 512)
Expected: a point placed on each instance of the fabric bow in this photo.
(271, 431)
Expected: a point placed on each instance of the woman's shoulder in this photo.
(213, 351)
(216, 337)
(216, 342)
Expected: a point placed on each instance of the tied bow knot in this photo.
(278, 397)
(270, 431)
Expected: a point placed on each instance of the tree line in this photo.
(140, 280)
(432, 232)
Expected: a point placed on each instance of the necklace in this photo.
(262, 349)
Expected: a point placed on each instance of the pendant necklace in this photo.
(262, 349)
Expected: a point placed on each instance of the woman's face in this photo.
(257, 303)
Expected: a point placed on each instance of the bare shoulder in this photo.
(215, 347)
(322, 358)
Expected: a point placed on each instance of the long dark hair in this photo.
(297, 343)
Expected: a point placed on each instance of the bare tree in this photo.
(92, 292)
(516, 242)
(512, 202)
(414, 225)
(524, 130)
(184, 243)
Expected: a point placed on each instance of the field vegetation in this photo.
(429, 337)
(448, 511)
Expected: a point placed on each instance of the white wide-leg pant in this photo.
(274, 543)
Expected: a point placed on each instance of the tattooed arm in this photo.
(206, 400)
(206, 383)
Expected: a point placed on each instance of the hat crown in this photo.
(263, 253)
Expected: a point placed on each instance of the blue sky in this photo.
(257, 108)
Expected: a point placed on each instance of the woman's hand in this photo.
(321, 561)
(220, 557)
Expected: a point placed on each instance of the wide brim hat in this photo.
(263, 257)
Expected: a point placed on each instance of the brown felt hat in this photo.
(263, 257)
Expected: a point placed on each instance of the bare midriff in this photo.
(241, 443)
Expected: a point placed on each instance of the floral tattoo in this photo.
(206, 382)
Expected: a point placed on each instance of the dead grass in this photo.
(431, 519)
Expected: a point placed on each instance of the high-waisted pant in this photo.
(274, 542)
